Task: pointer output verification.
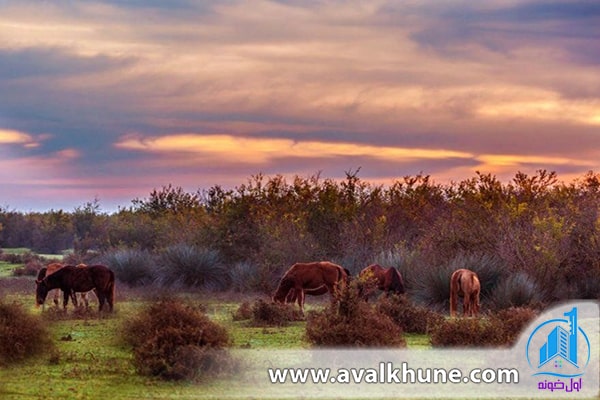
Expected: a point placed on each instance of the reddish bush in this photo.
(273, 314)
(21, 335)
(176, 341)
(410, 317)
(351, 322)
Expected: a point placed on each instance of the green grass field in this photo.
(92, 362)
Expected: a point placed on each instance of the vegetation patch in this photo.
(410, 317)
(21, 335)
(352, 322)
(177, 341)
(273, 314)
(499, 329)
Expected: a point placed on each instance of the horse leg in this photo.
(85, 300)
(66, 295)
(300, 295)
(74, 298)
(56, 296)
(101, 299)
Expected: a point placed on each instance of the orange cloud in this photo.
(261, 150)
(8, 136)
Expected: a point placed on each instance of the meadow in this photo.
(92, 361)
(90, 358)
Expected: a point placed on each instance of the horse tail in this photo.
(476, 291)
(454, 283)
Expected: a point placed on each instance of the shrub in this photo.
(175, 341)
(244, 311)
(21, 335)
(478, 332)
(499, 329)
(30, 269)
(410, 317)
(193, 267)
(515, 291)
(513, 320)
(352, 322)
(273, 314)
(131, 266)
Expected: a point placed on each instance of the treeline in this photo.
(535, 226)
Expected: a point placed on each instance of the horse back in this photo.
(102, 276)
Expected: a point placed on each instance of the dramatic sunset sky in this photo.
(111, 99)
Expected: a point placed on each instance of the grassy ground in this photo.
(91, 361)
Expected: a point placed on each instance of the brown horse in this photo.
(313, 278)
(464, 283)
(321, 290)
(71, 279)
(52, 268)
(387, 279)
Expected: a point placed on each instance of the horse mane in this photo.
(41, 274)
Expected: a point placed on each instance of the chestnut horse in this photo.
(292, 296)
(52, 268)
(71, 279)
(387, 279)
(315, 278)
(464, 283)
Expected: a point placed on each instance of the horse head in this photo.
(41, 291)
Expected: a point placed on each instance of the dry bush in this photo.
(21, 335)
(177, 341)
(243, 312)
(30, 269)
(273, 314)
(409, 316)
(467, 332)
(499, 329)
(352, 322)
(513, 321)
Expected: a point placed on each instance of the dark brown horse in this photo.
(464, 283)
(52, 268)
(315, 278)
(71, 279)
(387, 279)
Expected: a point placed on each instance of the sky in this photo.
(107, 100)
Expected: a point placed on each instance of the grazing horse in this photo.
(315, 278)
(387, 279)
(71, 279)
(464, 283)
(52, 268)
(292, 295)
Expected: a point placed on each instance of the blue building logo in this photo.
(559, 347)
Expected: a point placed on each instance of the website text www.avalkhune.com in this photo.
(387, 373)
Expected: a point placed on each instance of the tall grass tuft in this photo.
(517, 290)
(245, 277)
(131, 266)
(191, 266)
